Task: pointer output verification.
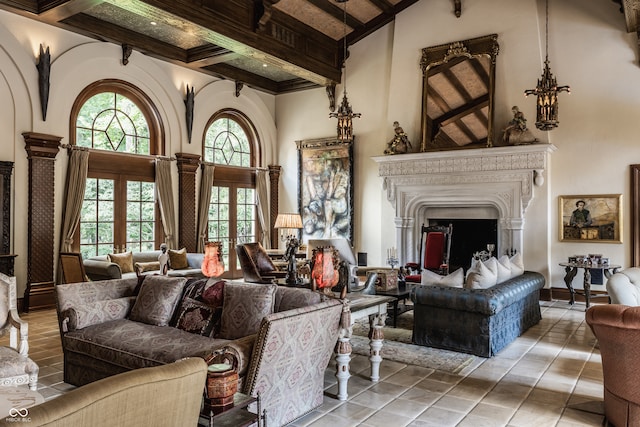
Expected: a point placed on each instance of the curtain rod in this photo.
(255, 168)
(76, 147)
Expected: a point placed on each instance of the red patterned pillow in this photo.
(214, 294)
(199, 318)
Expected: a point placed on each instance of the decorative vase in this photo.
(222, 384)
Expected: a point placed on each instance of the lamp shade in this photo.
(288, 220)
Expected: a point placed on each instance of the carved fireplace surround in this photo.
(484, 183)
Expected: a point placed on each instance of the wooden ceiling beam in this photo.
(229, 72)
(91, 26)
(57, 10)
(335, 11)
(208, 55)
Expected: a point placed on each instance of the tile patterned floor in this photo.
(538, 380)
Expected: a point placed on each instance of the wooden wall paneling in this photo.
(274, 180)
(41, 153)
(187, 209)
(6, 258)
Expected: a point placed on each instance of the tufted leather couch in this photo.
(617, 328)
(476, 321)
(624, 287)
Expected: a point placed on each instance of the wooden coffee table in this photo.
(401, 293)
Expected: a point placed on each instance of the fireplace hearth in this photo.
(469, 184)
(468, 237)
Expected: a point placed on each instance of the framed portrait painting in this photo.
(325, 188)
(592, 218)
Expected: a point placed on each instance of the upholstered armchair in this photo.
(166, 395)
(16, 368)
(623, 287)
(617, 328)
(256, 264)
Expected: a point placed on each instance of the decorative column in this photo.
(6, 258)
(274, 180)
(187, 209)
(41, 153)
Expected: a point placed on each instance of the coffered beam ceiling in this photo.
(275, 46)
(272, 45)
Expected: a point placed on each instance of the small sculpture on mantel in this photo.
(516, 132)
(400, 143)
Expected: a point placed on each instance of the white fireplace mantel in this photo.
(496, 181)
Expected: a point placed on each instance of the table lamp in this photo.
(289, 223)
(212, 264)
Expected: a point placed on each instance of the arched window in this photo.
(230, 142)
(121, 127)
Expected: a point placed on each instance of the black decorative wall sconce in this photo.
(189, 103)
(44, 71)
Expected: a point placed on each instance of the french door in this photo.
(232, 220)
(118, 215)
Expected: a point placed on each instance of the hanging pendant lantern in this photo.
(344, 114)
(547, 91)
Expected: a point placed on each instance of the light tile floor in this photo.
(535, 381)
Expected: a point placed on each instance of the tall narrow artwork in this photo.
(325, 188)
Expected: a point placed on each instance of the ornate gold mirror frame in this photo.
(457, 94)
(635, 215)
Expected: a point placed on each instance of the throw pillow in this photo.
(244, 307)
(504, 269)
(124, 260)
(482, 275)
(97, 312)
(453, 280)
(178, 259)
(517, 265)
(199, 318)
(213, 293)
(157, 300)
(143, 267)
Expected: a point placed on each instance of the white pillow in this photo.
(504, 268)
(453, 280)
(482, 275)
(517, 265)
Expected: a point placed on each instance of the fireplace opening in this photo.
(468, 237)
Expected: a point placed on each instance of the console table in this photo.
(571, 269)
(373, 307)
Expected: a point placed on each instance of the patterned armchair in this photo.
(16, 368)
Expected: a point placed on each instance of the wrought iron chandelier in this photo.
(547, 91)
(344, 114)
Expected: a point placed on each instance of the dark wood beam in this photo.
(335, 11)
(57, 10)
(91, 26)
(384, 6)
(208, 55)
(232, 73)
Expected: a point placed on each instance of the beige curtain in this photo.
(203, 203)
(164, 191)
(263, 208)
(76, 182)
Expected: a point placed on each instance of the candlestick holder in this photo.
(392, 261)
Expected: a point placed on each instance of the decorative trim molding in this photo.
(492, 182)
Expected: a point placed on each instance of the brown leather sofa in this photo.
(256, 264)
(617, 328)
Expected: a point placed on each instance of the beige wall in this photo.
(597, 138)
